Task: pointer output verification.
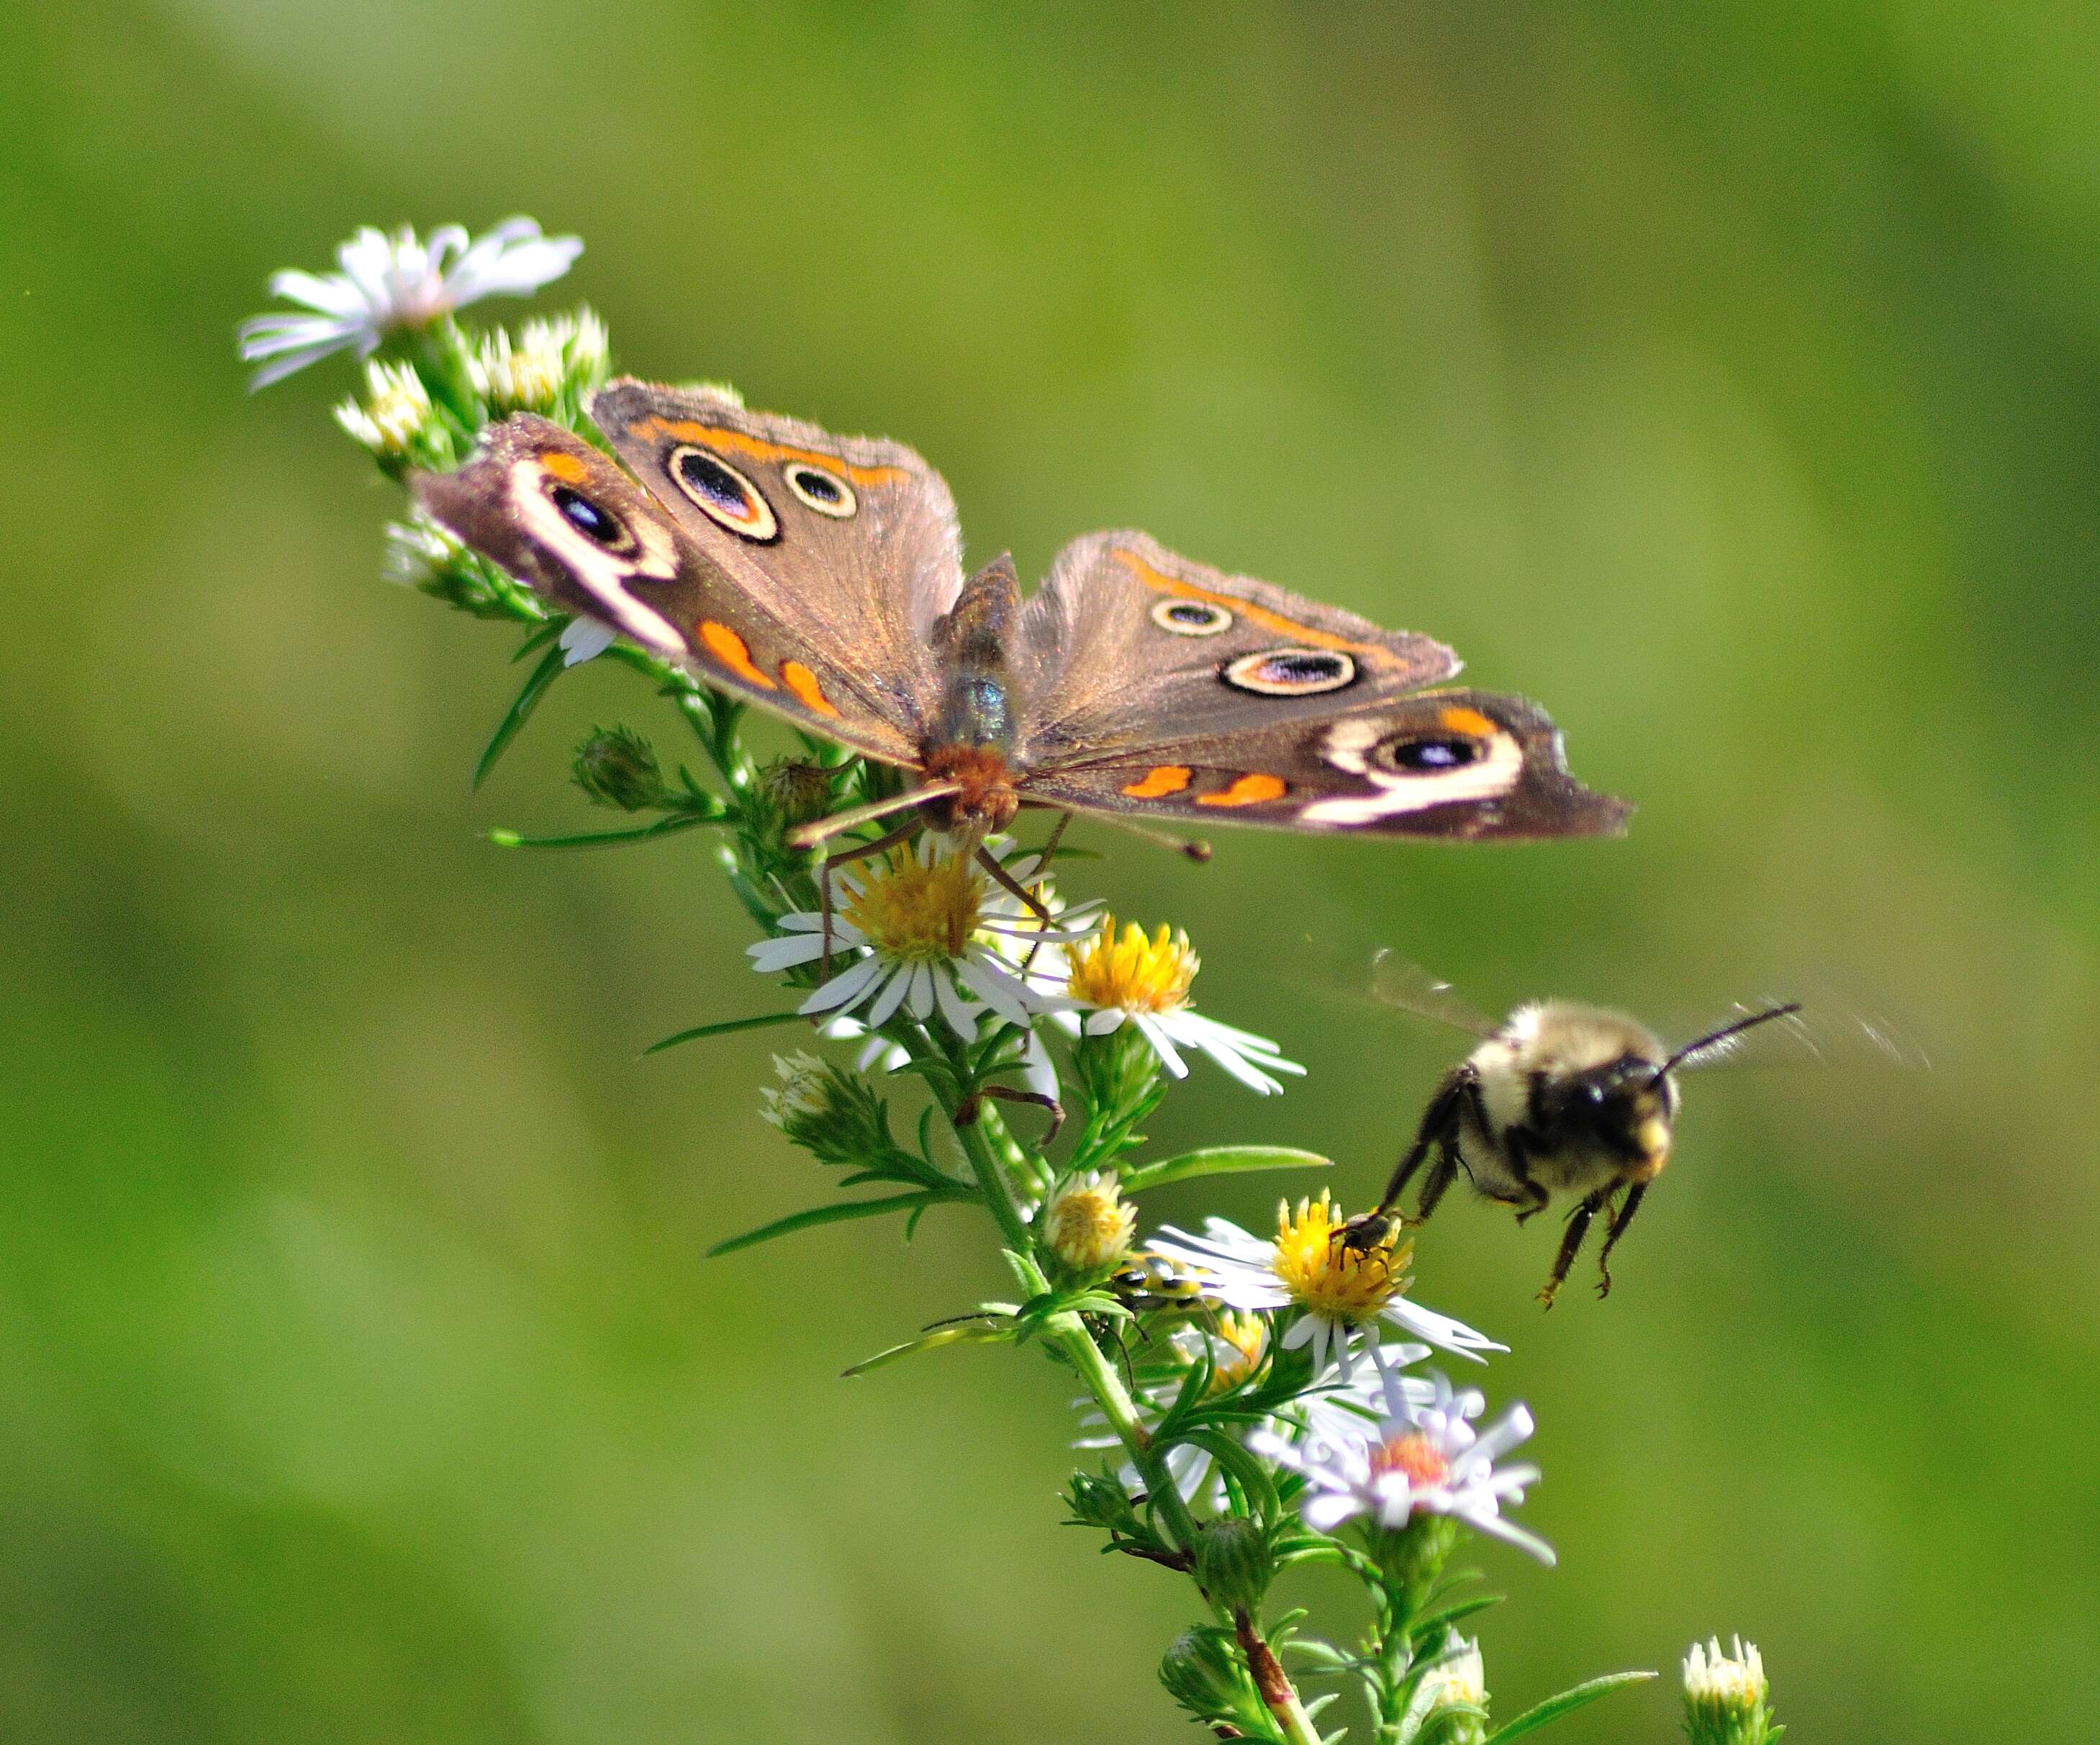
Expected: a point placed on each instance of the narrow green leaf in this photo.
(1221, 1159)
(540, 637)
(1429, 1626)
(1566, 1703)
(727, 1027)
(933, 1341)
(603, 839)
(837, 1213)
(527, 700)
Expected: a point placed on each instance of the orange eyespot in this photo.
(723, 494)
(1291, 671)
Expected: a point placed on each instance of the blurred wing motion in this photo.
(1814, 1035)
(1410, 987)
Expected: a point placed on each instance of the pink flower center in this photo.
(1415, 1457)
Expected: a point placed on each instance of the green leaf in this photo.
(837, 1213)
(1566, 1703)
(933, 1341)
(1221, 1159)
(727, 1027)
(1429, 1626)
(536, 687)
(604, 839)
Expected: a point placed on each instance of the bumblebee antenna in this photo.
(1727, 1034)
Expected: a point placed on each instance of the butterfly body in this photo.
(820, 577)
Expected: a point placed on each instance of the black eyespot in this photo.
(1291, 671)
(598, 525)
(821, 489)
(1191, 617)
(1431, 755)
(724, 495)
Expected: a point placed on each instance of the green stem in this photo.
(1277, 1693)
(1071, 1338)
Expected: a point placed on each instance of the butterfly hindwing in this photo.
(559, 515)
(1466, 765)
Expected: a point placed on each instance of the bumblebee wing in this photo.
(1801, 1036)
(1408, 987)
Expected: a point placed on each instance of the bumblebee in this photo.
(1559, 1099)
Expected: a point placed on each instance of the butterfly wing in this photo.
(1125, 639)
(559, 515)
(852, 541)
(1463, 764)
(1158, 686)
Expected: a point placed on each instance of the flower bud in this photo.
(832, 1113)
(423, 556)
(396, 413)
(1088, 1224)
(797, 789)
(616, 767)
(1233, 1563)
(1201, 1670)
(1099, 1500)
(1443, 1708)
(1724, 1694)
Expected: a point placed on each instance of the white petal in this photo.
(885, 1004)
(843, 989)
(769, 957)
(585, 639)
(1149, 1028)
(919, 1000)
(962, 1017)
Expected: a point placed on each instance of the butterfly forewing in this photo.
(852, 541)
(560, 516)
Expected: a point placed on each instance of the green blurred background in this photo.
(1728, 377)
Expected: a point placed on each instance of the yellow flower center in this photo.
(1134, 973)
(1090, 1223)
(1415, 1457)
(1329, 1275)
(913, 913)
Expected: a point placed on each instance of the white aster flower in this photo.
(1341, 1290)
(389, 284)
(915, 933)
(1420, 1459)
(1132, 979)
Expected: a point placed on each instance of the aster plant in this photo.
(1246, 1404)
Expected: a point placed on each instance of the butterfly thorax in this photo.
(972, 734)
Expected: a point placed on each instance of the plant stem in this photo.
(1072, 1339)
(1274, 1685)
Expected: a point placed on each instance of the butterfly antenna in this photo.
(1722, 1035)
(809, 835)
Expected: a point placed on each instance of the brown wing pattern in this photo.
(1128, 644)
(851, 540)
(559, 515)
(1465, 765)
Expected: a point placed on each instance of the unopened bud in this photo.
(797, 789)
(1201, 1670)
(1450, 1700)
(1233, 1563)
(616, 767)
(1088, 1224)
(1725, 1694)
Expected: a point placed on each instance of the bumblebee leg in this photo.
(1620, 1219)
(1440, 1178)
(1535, 1198)
(1438, 1120)
(1578, 1227)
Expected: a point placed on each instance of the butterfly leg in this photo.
(1620, 1219)
(1043, 872)
(1013, 888)
(971, 1106)
(1578, 1227)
